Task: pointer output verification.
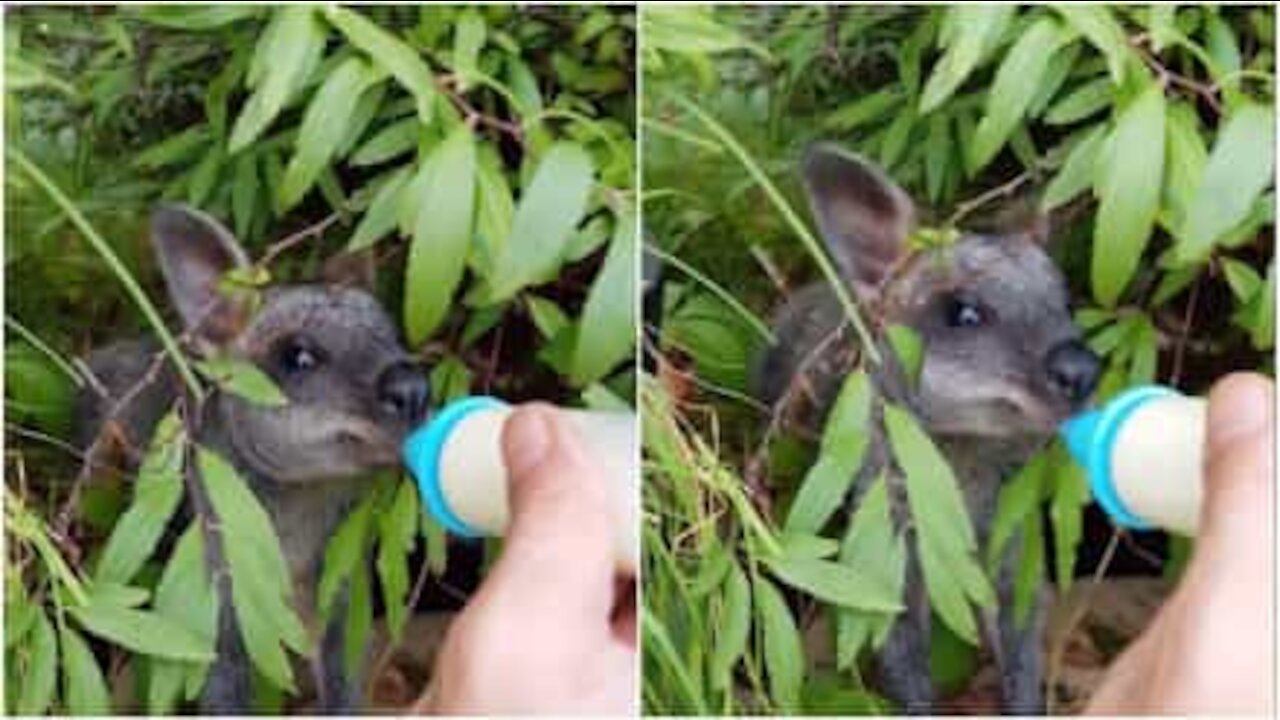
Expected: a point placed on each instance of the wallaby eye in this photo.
(298, 356)
(964, 314)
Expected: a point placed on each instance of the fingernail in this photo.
(528, 438)
(1238, 407)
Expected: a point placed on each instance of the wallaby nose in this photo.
(1073, 370)
(404, 391)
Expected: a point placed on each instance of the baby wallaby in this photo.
(353, 393)
(1002, 366)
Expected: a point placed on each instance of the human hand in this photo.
(1209, 649)
(551, 630)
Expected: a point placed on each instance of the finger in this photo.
(1238, 465)
(557, 557)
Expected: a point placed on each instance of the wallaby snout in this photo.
(1073, 370)
(404, 392)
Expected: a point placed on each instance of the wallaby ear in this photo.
(864, 216)
(351, 268)
(1024, 219)
(195, 251)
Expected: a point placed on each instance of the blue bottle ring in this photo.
(424, 448)
(1101, 442)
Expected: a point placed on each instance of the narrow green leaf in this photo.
(392, 141)
(143, 632)
(1185, 158)
(86, 690)
(909, 349)
(261, 583)
(389, 52)
(286, 53)
(1066, 510)
(40, 679)
(397, 530)
(783, 648)
(1019, 499)
(343, 555)
(551, 207)
(324, 125)
(835, 583)
(380, 218)
(873, 547)
(359, 620)
(1239, 169)
(468, 39)
(1083, 102)
(243, 379)
(1077, 171)
(1098, 25)
(1128, 187)
(185, 596)
(607, 333)
(869, 108)
(1016, 82)
(158, 491)
(974, 27)
(732, 630)
(441, 235)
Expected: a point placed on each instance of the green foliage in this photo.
(1129, 125)
(483, 157)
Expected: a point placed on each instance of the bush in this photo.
(484, 156)
(1147, 134)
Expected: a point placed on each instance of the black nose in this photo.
(1073, 370)
(404, 391)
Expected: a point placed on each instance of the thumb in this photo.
(557, 556)
(1239, 468)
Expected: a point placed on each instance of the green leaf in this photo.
(974, 27)
(1263, 332)
(158, 491)
(344, 554)
(40, 676)
(1185, 159)
(873, 547)
(1016, 82)
(389, 52)
(1066, 510)
(873, 107)
(1018, 500)
(148, 633)
(468, 39)
(1077, 171)
(380, 218)
(909, 349)
(835, 583)
(397, 530)
(285, 55)
(442, 233)
(733, 628)
(552, 206)
(244, 379)
(324, 125)
(450, 380)
(1128, 187)
(607, 332)
(1098, 25)
(691, 30)
(261, 583)
(1240, 168)
(185, 596)
(1243, 280)
(392, 141)
(359, 620)
(944, 534)
(783, 649)
(1083, 102)
(86, 690)
(194, 17)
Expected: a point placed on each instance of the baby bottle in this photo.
(457, 461)
(1144, 454)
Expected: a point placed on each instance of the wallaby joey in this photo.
(1002, 366)
(353, 393)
